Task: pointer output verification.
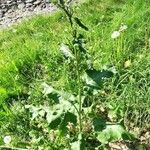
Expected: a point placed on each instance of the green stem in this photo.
(68, 13)
(79, 93)
(79, 89)
(80, 105)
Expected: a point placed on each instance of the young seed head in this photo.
(71, 127)
(115, 34)
(127, 64)
(87, 126)
(7, 139)
(52, 136)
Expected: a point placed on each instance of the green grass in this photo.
(29, 55)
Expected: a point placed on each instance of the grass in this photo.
(29, 55)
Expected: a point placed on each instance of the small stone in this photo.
(9, 1)
(47, 1)
(19, 1)
(37, 2)
(14, 7)
(28, 5)
(3, 6)
(4, 10)
(14, 3)
(43, 5)
(30, 1)
(36, 9)
(10, 11)
(1, 14)
(21, 6)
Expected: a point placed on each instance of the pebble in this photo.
(30, 1)
(37, 2)
(21, 6)
(1, 14)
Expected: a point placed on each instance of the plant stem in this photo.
(80, 103)
(79, 92)
(69, 14)
(79, 89)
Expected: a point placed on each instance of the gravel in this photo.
(12, 11)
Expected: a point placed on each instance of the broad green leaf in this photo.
(95, 78)
(53, 114)
(58, 110)
(54, 97)
(47, 89)
(99, 124)
(63, 110)
(89, 81)
(55, 123)
(110, 134)
(36, 111)
(57, 95)
(66, 96)
(60, 113)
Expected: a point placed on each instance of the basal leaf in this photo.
(99, 124)
(63, 108)
(111, 133)
(57, 95)
(97, 75)
(95, 78)
(55, 123)
(53, 114)
(47, 89)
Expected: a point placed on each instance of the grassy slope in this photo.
(29, 52)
